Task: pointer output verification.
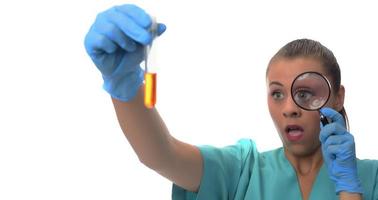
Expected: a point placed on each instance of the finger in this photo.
(96, 44)
(113, 33)
(328, 147)
(161, 28)
(333, 151)
(341, 152)
(331, 129)
(333, 115)
(133, 59)
(137, 14)
(329, 152)
(335, 140)
(140, 17)
(128, 26)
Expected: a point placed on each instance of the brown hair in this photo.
(314, 49)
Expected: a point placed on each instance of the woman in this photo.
(315, 162)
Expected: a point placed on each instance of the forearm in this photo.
(156, 148)
(350, 196)
(145, 131)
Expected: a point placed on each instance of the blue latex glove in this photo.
(339, 153)
(115, 44)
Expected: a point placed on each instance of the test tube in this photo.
(150, 89)
(150, 67)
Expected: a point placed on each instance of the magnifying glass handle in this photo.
(324, 119)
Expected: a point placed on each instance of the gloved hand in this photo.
(115, 43)
(339, 153)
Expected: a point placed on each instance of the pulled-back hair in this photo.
(313, 49)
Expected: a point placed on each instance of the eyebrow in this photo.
(275, 83)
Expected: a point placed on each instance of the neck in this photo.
(306, 164)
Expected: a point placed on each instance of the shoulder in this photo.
(223, 168)
(273, 153)
(235, 155)
(368, 173)
(241, 149)
(368, 162)
(274, 158)
(367, 165)
(245, 155)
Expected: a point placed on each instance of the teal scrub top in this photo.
(240, 172)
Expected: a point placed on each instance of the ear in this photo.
(339, 101)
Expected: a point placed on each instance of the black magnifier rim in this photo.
(312, 72)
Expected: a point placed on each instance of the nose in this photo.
(291, 110)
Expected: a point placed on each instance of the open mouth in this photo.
(294, 132)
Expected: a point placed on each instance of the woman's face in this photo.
(298, 128)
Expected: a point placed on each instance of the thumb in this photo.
(161, 28)
(333, 115)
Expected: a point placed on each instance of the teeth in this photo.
(295, 132)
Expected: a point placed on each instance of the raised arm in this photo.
(156, 148)
(115, 43)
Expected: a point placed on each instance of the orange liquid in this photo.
(150, 90)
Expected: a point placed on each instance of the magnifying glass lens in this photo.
(310, 91)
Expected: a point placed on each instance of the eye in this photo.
(277, 95)
(303, 95)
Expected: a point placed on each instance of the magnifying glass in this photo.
(311, 91)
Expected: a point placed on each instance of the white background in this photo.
(59, 137)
